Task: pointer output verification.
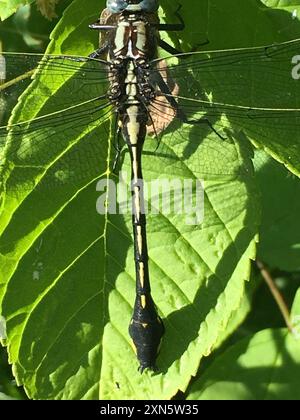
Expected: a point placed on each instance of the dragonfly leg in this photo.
(175, 27)
(168, 48)
(171, 50)
(202, 120)
(202, 44)
(164, 88)
(172, 26)
(77, 59)
(96, 54)
(99, 52)
(118, 149)
(182, 116)
(101, 27)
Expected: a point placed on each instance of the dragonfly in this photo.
(176, 100)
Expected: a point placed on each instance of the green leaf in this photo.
(265, 366)
(8, 388)
(29, 27)
(67, 273)
(227, 24)
(295, 315)
(280, 232)
(9, 7)
(287, 5)
(296, 305)
(5, 397)
(67, 276)
(238, 316)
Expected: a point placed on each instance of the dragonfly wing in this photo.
(56, 82)
(193, 151)
(263, 77)
(57, 123)
(249, 91)
(64, 150)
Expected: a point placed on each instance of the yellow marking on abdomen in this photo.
(135, 164)
(131, 91)
(131, 77)
(142, 275)
(134, 347)
(137, 204)
(133, 126)
(131, 84)
(143, 301)
(139, 239)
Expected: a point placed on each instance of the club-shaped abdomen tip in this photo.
(146, 338)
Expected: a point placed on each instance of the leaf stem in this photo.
(276, 294)
(17, 79)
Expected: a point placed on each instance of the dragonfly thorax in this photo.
(129, 83)
(133, 44)
(134, 39)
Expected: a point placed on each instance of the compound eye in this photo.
(149, 5)
(116, 6)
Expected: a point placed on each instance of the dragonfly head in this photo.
(119, 6)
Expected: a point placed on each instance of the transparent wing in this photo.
(62, 81)
(264, 77)
(56, 129)
(254, 91)
(67, 149)
(195, 148)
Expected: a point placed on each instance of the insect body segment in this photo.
(200, 104)
(131, 43)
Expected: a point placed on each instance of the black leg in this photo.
(167, 47)
(77, 59)
(181, 115)
(118, 149)
(99, 27)
(96, 54)
(172, 26)
(100, 51)
(175, 27)
(171, 50)
(201, 44)
(202, 120)
(179, 112)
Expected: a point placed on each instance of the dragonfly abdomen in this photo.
(131, 94)
(146, 328)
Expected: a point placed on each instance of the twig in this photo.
(276, 294)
